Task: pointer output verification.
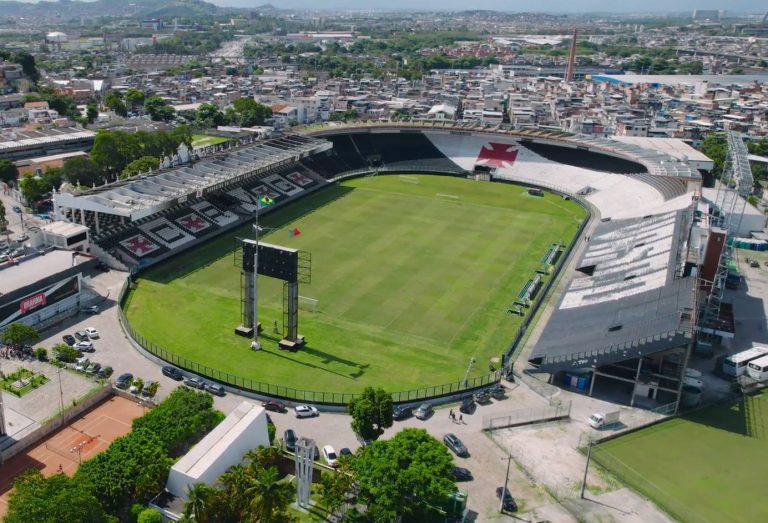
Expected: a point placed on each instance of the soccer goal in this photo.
(308, 304)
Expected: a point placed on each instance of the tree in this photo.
(404, 476)
(81, 170)
(209, 115)
(3, 219)
(335, 486)
(150, 515)
(715, 146)
(133, 469)
(250, 112)
(114, 101)
(19, 333)
(198, 496)
(158, 110)
(92, 112)
(270, 496)
(65, 353)
(371, 413)
(135, 99)
(27, 63)
(8, 172)
(32, 188)
(51, 500)
(139, 166)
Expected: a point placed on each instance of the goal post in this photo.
(308, 304)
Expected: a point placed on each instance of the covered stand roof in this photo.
(631, 301)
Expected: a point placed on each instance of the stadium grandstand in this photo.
(144, 219)
(20, 144)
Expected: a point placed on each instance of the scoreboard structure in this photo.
(292, 266)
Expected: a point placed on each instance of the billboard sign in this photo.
(32, 302)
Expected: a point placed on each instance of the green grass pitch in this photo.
(705, 467)
(204, 140)
(413, 274)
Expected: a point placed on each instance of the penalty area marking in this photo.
(447, 196)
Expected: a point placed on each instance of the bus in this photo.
(758, 369)
(736, 364)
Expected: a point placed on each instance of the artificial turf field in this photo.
(706, 467)
(414, 275)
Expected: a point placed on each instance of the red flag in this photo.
(294, 232)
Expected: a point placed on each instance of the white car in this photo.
(82, 364)
(330, 456)
(92, 309)
(92, 333)
(84, 346)
(305, 411)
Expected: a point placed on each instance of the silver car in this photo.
(424, 411)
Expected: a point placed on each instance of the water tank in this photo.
(56, 37)
(691, 397)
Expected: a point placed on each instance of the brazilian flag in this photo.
(266, 200)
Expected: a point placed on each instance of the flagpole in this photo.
(255, 345)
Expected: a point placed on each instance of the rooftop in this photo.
(29, 271)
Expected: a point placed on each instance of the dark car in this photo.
(69, 339)
(401, 412)
(507, 501)
(455, 444)
(274, 406)
(82, 336)
(483, 396)
(462, 474)
(467, 405)
(289, 437)
(124, 380)
(173, 373)
(498, 392)
(215, 388)
(345, 452)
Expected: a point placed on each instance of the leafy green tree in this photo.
(140, 165)
(715, 146)
(150, 515)
(135, 99)
(209, 115)
(32, 188)
(114, 101)
(92, 112)
(63, 104)
(133, 469)
(28, 65)
(81, 170)
(250, 112)
(270, 496)
(371, 412)
(3, 219)
(8, 172)
(18, 333)
(335, 486)
(403, 476)
(52, 177)
(51, 500)
(198, 498)
(158, 110)
(180, 420)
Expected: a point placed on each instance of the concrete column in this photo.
(637, 377)
(98, 230)
(82, 216)
(592, 383)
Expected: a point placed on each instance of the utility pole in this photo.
(586, 469)
(506, 481)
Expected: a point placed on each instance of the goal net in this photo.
(308, 304)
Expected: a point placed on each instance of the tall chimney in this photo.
(571, 57)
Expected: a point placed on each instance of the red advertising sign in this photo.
(32, 302)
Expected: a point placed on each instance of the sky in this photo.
(744, 6)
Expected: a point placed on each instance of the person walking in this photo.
(450, 414)
(461, 418)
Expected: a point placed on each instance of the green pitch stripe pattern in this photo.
(413, 276)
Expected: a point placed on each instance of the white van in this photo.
(758, 369)
(736, 364)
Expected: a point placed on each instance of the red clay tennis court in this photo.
(84, 437)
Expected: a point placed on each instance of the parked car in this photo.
(508, 502)
(85, 346)
(215, 388)
(483, 396)
(173, 373)
(92, 333)
(136, 386)
(498, 392)
(330, 456)
(93, 368)
(93, 309)
(69, 339)
(82, 363)
(462, 474)
(305, 411)
(145, 391)
(455, 444)
(401, 412)
(344, 451)
(105, 372)
(195, 383)
(81, 335)
(124, 380)
(424, 411)
(467, 405)
(289, 437)
(274, 406)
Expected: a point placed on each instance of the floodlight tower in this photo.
(571, 57)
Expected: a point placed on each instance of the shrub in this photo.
(41, 354)
(150, 516)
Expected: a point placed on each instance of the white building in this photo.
(244, 429)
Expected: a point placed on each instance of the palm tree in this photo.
(263, 457)
(270, 496)
(237, 480)
(197, 501)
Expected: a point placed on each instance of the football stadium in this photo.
(411, 257)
